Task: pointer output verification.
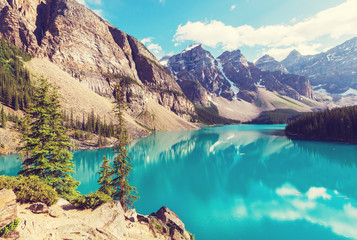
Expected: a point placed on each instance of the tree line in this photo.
(15, 84)
(339, 124)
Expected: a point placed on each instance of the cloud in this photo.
(233, 7)
(315, 193)
(287, 191)
(154, 48)
(334, 22)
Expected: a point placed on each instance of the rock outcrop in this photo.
(333, 71)
(108, 221)
(8, 207)
(93, 51)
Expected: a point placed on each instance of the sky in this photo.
(256, 27)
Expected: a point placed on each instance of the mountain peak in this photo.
(193, 46)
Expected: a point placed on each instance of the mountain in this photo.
(248, 78)
(230, 76)
(333, 71)
(94, 53)
(196, 68)
(268, 63)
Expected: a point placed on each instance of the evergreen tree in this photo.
(3, 118)
(122, 163)
(105, 179)
(46, 143)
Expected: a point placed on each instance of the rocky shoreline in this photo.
(109, 221)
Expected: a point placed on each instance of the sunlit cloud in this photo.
(154, 48)
(334, 23)
(233, 7)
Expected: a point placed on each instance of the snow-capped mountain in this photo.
(334, 71)
(197, 65)
(230, 76)
(248, 78)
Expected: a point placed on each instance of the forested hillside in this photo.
(338, 124)
(15, 86)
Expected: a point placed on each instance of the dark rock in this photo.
(170, 219)
(39, 208)
(143, 218)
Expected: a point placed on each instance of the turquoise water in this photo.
(238, 182)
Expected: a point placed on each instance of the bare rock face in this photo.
(176, 226)
(8, 207)
(91, 49)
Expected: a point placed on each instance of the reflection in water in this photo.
(239, 182)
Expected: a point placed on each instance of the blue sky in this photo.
(256, 27)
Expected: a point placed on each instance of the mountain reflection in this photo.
(238, 182)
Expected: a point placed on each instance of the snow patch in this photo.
(234, 88)
(350, 91)
(192, 46)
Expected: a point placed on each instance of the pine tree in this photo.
(46, 143)
(123, 192)
(105, 179)
(3, 118)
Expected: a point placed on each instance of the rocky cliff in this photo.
(333, 71)
(93, 51)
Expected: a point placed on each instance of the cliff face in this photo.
(92, 50)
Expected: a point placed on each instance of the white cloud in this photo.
(287, 191)
(154, 48)
(334, 22)
(315, 193)
(233, 7)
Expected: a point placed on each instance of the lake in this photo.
(238, 182)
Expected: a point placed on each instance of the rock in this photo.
(109, 217)
(55, 213)
(39, 208)
(131, 215)
(176, 235)
(143, 218)
(170, 219)
(8, 207)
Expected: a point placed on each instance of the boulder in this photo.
(170, 219)
(39, 208)
(8, 207)
(109, 217)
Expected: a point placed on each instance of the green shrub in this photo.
(91, 200)
(29, 189)
(10, 227)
